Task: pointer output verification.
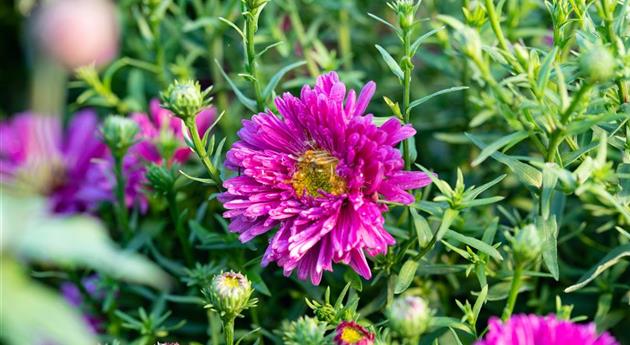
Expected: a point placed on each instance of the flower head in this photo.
(36, 153)
(351, 333)
(542, 330)
(409, 316)
(304, 331)
(319, 174)
(230, 294)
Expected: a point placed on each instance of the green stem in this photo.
(554, 143)
(122, 216)
(228, 330)
(179, 229)
(496, 26)
(584, 88)
(251, 25)
(513, 294)
(201, 151)
(407, 67)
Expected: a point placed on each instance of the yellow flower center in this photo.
(231, 282)
(317, 170)
(351, 335)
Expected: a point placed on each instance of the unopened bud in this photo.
(230, 294)
(409, 316)
(527, 243)
(160, 178)
(185, 99)
(305, 331)
(119, 133)
(597, 64)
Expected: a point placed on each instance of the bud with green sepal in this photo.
(406, 11)
(161, 179)
(229, 295)
(119, 134)
(305, 331)
(527, 244)
(185, 98)
(597, 64)
(409, 317)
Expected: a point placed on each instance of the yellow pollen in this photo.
(317, 170)
(351, 335)
(231, 282)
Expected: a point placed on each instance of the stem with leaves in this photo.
(407, 67)
(251, 26)
(179, 229)
(201, 151)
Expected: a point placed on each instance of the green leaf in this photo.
(613, 257)
(525, 172)
(416, 44)
(549, 231)
(474, 243)
(508, 140)
(373, 16)
(233, 26)
(198, 179)
(405, 278)
(273, 82)
(353, 279)
(423, 230)
(550, 179)
(481, 300)
(389, 60)
(30, 233)
(439, 322)
(246, 101)
(424, 99)
(30, 312)
(545, 69)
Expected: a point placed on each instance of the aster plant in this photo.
(227, 172)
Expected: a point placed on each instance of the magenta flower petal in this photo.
(317, 173)
(542, 330)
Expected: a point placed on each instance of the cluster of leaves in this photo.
(537, 123)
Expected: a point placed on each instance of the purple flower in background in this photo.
(36, 153)
(162, 136)
(161, 140)
(318, 173)
(73, 295)
(542, 330)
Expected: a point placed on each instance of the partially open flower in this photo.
(409, 316)
(230, 294)
(351, 333)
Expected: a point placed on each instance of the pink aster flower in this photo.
(351, 333)
(543, 330)
(35, 152)
(318, 173)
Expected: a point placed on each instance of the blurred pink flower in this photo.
(78, 32)
(36, 153)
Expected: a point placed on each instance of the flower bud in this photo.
(409, 316)
(185, 99)
(351, 333)
(521, 54)
(119, 133)
(475, 14)
(230, 294)
(470, 41)
(304, 331)
(597, 64)
(406, 11)
(160, 178)
(527, 243)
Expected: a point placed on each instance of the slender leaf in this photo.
(391, 63)
(424, 99)
(613, 257)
